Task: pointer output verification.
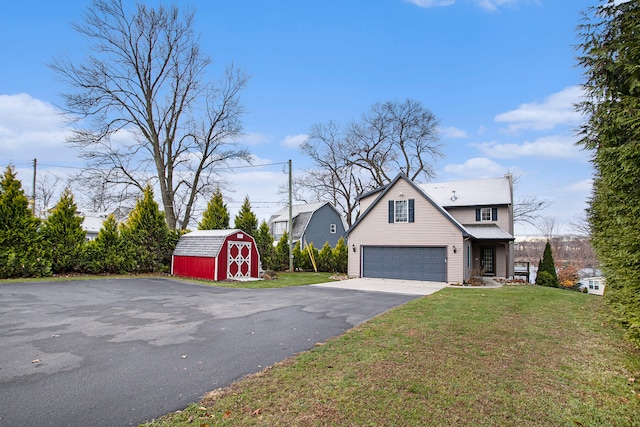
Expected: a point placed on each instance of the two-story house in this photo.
(315, 223)
(444, 232)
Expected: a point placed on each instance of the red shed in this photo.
(216, 255)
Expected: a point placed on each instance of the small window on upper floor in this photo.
(486, 214)
(333, 228)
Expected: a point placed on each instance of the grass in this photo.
(282, 280)
(513, 356)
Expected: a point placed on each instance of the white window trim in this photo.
(404, 212)
(485, 214)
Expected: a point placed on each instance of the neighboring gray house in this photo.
(444, 232)
(315, 223)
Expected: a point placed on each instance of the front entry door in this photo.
(489, 260)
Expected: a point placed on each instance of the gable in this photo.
(425, 210)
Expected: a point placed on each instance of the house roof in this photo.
(383, 190)
(488, 232)
(283, 214)
(301, 215)
(492, 191)
(203, 243)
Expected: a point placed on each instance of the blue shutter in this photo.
(392, 214)
(478, 214)
(494, 214)
(411, 210)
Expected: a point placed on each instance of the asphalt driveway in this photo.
(121, 351)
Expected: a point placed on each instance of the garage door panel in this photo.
(404, 262)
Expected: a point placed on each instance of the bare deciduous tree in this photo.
(392, 137)
(150, 114)
(528, 209)
(47, 189)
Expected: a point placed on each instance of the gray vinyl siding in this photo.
(318, 229)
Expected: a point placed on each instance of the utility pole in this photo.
(33, 199)
(290, 222)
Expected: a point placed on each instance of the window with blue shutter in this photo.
(412, 208)
(392, 212)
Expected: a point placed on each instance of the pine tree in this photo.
(341, 256)
(325, 258)
(105, 253)
(547, 275)
(147, 236)
(62, 231)
(610, 55)
(246, 220)
(264, 241)
(281, 258)
(22, 253)
(216, 216)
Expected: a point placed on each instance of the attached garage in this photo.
(216, 255)
(405, 262)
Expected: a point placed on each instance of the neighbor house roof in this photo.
(283, 214)
(301, 215)
(203, 243)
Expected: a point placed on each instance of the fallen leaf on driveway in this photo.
(35, 361)
(184, 356)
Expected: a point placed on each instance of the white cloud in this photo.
(431, 3)
(478, 167)
(557, 109)
(31, 128)
(453, 132)
(294, 141)
(583, 186)
(253, 138)
(494, 4)
(555, 146)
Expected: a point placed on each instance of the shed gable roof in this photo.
(203, 243)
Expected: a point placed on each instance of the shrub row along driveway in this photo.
(122, 351)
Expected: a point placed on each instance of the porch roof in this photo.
(488, 232)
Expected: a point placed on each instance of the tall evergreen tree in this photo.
(246, 220)
(264, 241)
(547, 275)
(216, 216)
(105, 253)
(281, 256)
(610, 55)
(147, 235)
(341, 256)
(22, 253)
(62, 231)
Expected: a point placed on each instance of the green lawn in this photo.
(514, 356)
(282, 280)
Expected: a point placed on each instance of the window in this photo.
(486, 214)
(468, 256)
(279, 228)
(402, 214)
(401, 211)
(332, 228)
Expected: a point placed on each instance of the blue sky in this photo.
(500, 75)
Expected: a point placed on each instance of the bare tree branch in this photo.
(147, 107)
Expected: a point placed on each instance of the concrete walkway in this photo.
(405, 287)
